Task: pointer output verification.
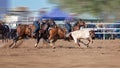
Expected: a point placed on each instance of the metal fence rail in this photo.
(106, 30)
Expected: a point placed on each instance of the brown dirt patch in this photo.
(101, 54)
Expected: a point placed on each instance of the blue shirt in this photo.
(68, 26)
(36, 23)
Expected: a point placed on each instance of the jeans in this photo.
(37, 27)
(68, 27)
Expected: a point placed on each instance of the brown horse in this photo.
(55, 34)
(78, 25)
(4, 31)
(21, 32)
(27, 30)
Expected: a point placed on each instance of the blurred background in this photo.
(105, 12)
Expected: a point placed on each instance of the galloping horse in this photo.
(55, 34)
(27, 30)
(4, 31)
(21, 32)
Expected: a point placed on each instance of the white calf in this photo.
(82, 34)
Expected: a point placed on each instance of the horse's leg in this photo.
(36, 44)
(37, 41)
(44, 43)
(52, 44)
(2, 37)
(38, 37)
(52, 41)
(49, 38)
(5, 38)
(14, 42)
(8, 37)
(12, 34)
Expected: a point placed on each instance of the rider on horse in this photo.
(37, 26)
(44, 24)
(51, 24)
(81, 23)
(68, 26)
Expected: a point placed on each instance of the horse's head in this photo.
(29, 29)
(79, 24)
(75, 28)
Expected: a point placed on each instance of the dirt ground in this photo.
(101, 54)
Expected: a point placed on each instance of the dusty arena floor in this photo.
(101, 54)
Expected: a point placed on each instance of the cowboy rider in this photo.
(37, 26)
(68, 26)
(51, 24)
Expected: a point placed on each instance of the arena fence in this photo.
(106, 29)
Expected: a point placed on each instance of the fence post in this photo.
(104, 33)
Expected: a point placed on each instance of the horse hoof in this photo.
(12, 46)
(79, 47)
(54, 47)
(35, 45)
(87, 46)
